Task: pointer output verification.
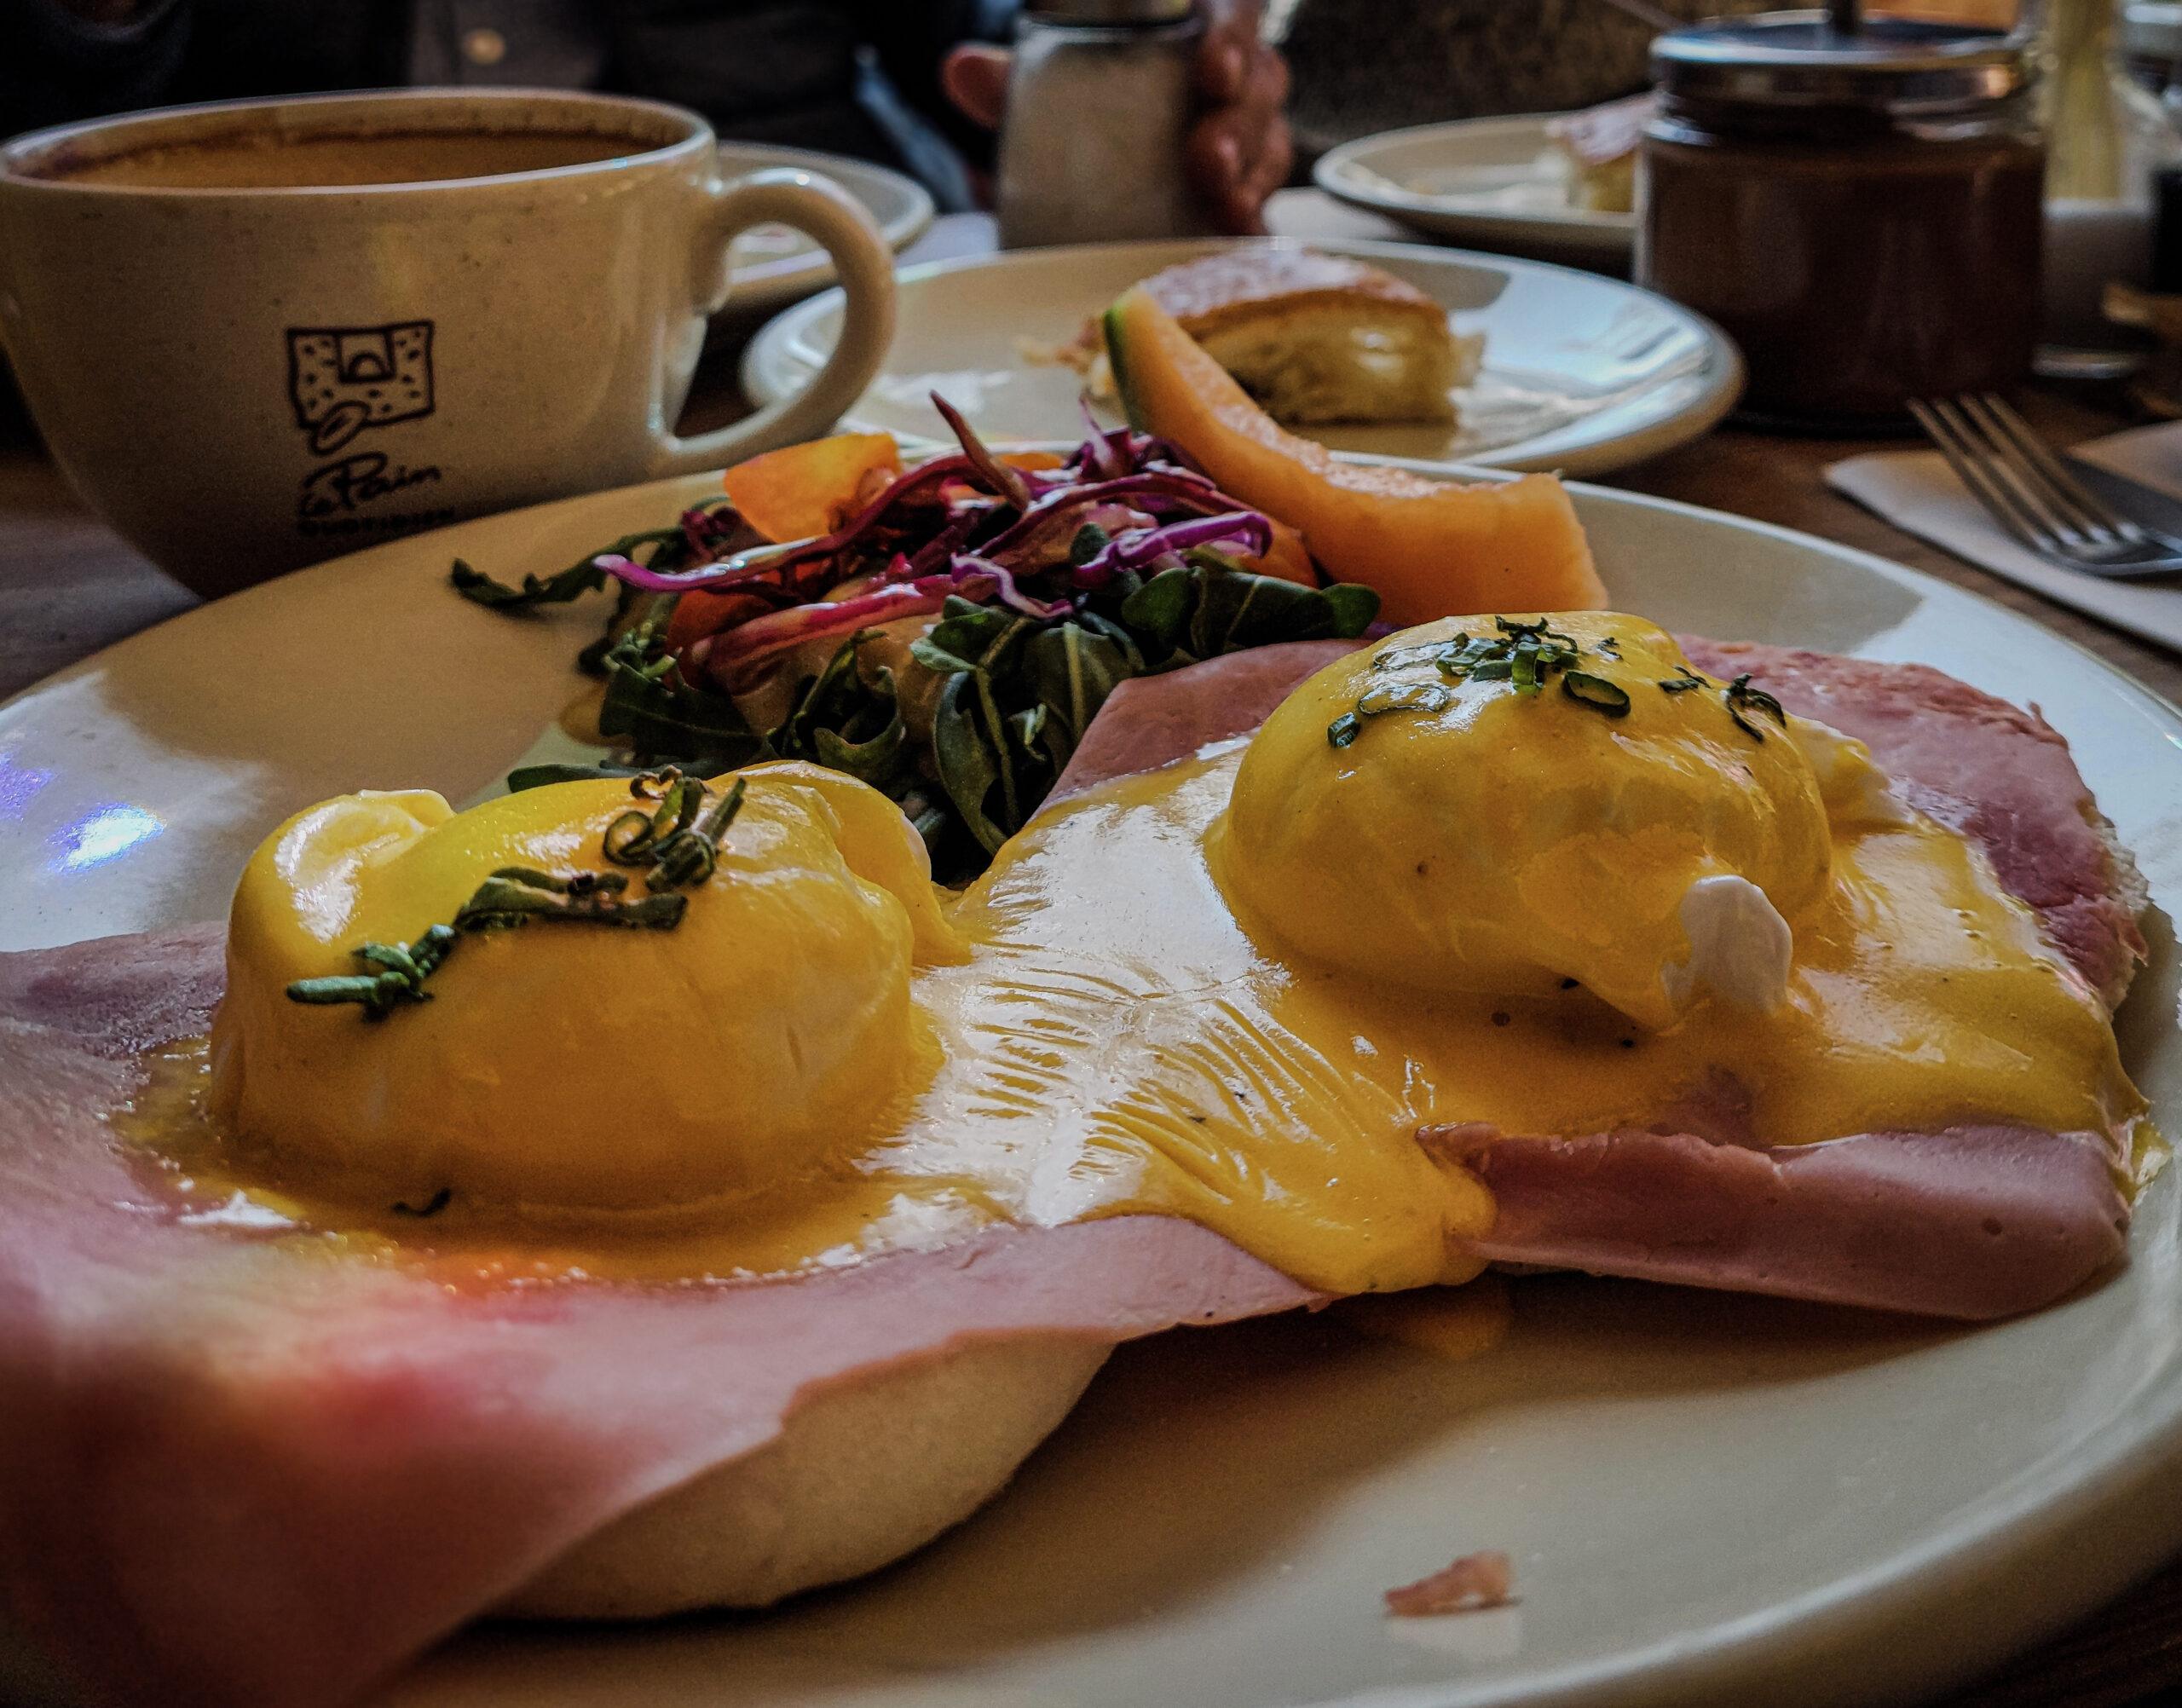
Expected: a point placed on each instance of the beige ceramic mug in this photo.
(261, 333)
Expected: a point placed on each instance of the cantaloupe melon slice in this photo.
(1430, 548)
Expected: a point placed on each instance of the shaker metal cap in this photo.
(1120, 13)
(1902, 65)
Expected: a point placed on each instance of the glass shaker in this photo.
(1856, 201)
(2148, 77)
(2083, 127)
(1100, 100)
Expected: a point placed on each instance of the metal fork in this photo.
(2031, 491)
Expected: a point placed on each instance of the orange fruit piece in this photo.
(1429, 548)
(802, 490)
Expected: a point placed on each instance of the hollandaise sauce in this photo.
(1231, 990)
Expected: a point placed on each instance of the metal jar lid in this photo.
(1902, 66)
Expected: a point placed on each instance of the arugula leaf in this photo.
(1039, 746)
(583, 576)
(1026, 730)
(1161, 607)
(1353, 607)
(935, 657)
(873, 761)
(1105, 628)
(544, 776)
(572, 583)
(592, 661)
(968, 631)
(1072, 669)
(840, 720)
(843, 722)
(1209, 605)
(1237, 610)
(661, 714)
(969, 763)
(1011, 803)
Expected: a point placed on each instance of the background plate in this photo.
(774, 265)
(1498, 183)
(1709, 1500)
(1582, 374)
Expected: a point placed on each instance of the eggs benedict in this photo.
(1485, 793)
(1533, 874)
(1130, 1079)
(775, 974)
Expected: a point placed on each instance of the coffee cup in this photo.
(257, 334)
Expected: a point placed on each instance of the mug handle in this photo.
(820, 209)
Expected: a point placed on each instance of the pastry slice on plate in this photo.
(1315, 338)
(1599, 146)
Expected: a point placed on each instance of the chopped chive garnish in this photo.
(1741, 698)
(1405, 696)
(1595, 692)
(1525, 655)
(678, 844)
(401, 978)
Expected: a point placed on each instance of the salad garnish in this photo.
(949, 640)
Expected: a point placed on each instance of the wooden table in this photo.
(68, 585)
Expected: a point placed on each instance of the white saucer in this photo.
(1495, 183)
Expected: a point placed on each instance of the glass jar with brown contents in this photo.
(1859, 203)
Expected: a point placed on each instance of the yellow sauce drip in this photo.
(1453, 1323)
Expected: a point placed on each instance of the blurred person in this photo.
(917, 83)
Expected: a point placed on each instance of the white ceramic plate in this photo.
(1495, 183)
(773, 265)
(1708, 1500)
(1582, 374)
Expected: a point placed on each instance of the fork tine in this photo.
(2005, 465)
(1966, 459)
(2093, 514)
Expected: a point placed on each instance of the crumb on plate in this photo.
(1470, 1584)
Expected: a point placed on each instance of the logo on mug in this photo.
(343, 379)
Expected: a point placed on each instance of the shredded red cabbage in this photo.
(964, 525)
(1139, 547)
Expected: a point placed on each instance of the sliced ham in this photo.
(234, 1473)
(1971, 1222)
(1151, 721)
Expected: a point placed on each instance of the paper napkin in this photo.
(1919, 493)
